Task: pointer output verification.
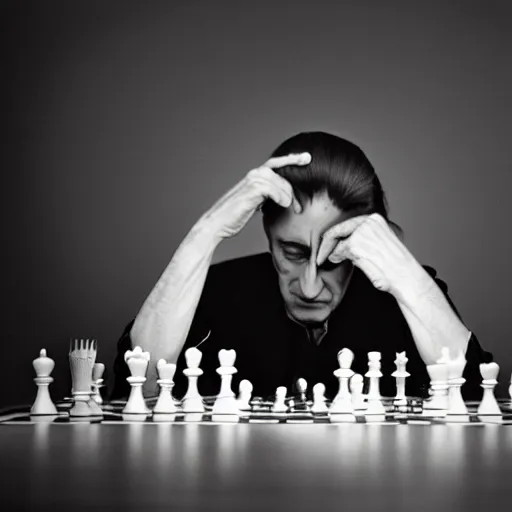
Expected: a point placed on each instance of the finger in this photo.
(326, 247)
(268, 174)
(272, 190)
(346, 228)
(282, 161)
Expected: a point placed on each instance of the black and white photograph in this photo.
(257, 255)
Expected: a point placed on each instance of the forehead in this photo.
(307, 227)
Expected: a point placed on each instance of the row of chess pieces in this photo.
(86, 375)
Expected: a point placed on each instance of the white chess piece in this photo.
(489, 404)
(374, 399)
(342, 403)
(97, 382)
(400, 375)
(225, 403)
(244, 397)
(356, 389)
(165, 403)
(279, 406)
(456, 404)
(319, 406)
(137, 361)
(192, 401)
(438, 403)
(82, 356)
(43, 405)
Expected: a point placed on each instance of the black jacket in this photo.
(241, 305)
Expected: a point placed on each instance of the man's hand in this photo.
(231, 212)
(370, 243)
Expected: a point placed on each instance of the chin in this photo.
(310, 316)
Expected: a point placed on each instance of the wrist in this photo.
(416, 285)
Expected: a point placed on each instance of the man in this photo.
(337, 275)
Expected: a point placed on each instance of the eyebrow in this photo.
(293, 243)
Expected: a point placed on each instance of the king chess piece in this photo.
(137, 361)
(43, 405)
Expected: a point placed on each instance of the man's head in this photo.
(338, 184)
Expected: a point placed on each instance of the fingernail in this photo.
(305, 158)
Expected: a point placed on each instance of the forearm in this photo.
(431, 319)
(163, 322)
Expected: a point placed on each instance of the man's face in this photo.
(310, 293)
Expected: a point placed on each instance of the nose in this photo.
(310, 282)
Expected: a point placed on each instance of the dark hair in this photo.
(338, 167)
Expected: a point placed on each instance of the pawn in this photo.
(226, 403)
(137, 362)
(192, 401)
(356, 389)
(244, 396)
(489, 404)
(319, 406)
(97, 382)
(279, 406)
(43, 405)
(165, 403)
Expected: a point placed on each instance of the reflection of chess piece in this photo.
(165, 403)
(137, 362)
(97, 382)
(400, 375)
(489, 404)
(43, 405)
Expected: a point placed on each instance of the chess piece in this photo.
(244, 396)
(82, 356)
(97, 382)
(356, 390)
(165, 403)
(192, 401)
(279, 406)
(456, 404)
(43, 405)
(374, 374)
(302, 404)
(489, 404)
(438, 403)
(137, 361)
(400, 375)
(342, 403)
(225, 403)
(319, 406)
(374, 399)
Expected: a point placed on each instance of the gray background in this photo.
(123, 122)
